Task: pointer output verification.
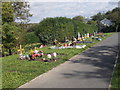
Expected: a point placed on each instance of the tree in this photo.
(98, 17)
(7, 12)
(8, 36)
(79, 18)
(13, 32)
(21, 11)
(12, 11)
(22, 14)
(114, 15)
(54, 28)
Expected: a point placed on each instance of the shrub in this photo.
(31, 38)
(58, 28)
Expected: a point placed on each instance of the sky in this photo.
(68, 8)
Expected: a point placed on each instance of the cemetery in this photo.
(44, 57)
(29, 50)
(39, 55)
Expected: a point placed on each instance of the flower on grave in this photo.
(27, 57)
(43, 59)
(20, 54)
(87, 35)
(54, 54)
(31, 52)
(33, 56)
(36, 55)
(59, 44)
(36, 51)
(22, 57)
(41, 51)
(41, 54)
(41, 46)
(55, 40)
(49, 56)
(66, 45)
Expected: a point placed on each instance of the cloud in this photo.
(41, 10)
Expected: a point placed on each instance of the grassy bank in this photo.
(17, 72)
(115, 84)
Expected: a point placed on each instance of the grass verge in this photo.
(115, 83)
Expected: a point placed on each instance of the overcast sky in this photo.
(68, 8)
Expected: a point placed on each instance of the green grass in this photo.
(115, 84)
(17, 72)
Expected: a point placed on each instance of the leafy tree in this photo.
(79, 18)
(8, 36)
(54, 28)
(98, 17)
(21, 11)
(7, 12)
(114, 17)
(12, 33)
(12, 11)
(22, 14)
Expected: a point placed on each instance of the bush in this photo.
(83, 28)
(58, 28)
(31, 38)
(54, 28)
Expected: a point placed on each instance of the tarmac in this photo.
(92, 68)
